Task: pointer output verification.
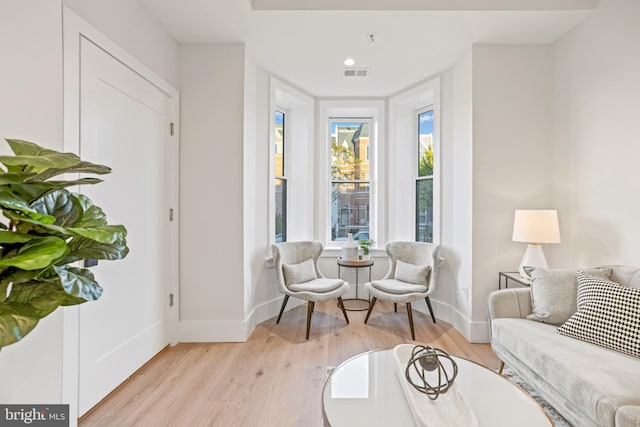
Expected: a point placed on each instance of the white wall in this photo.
(512, 145)
(597, 122)
(262, 298)
(129, 25)
(32, 109)
(212, 230)
(457, 209)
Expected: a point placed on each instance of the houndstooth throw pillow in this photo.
(608, 315)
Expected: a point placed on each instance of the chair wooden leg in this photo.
(395, 307)
(371, 304)
(344, 312)
(309, 313)
(284, 303)
(430, 309)
(501, 367)
(410, 315)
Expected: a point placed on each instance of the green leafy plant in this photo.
(47, 229)
(365, 245)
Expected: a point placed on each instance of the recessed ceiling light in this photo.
(349, 62)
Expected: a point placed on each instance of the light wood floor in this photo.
(274, 379)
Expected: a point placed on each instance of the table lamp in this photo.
(535, 227)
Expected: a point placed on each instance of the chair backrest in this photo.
(419, 253)
(295, 253)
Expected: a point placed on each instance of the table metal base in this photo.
(357, 265)
(358, 302)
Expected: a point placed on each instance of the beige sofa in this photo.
(588, 384)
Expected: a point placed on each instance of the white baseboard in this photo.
(240, 330)
(474, 332)
(212, 331)
(231, 330)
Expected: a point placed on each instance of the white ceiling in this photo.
(307, 47)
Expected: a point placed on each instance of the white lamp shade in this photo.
(536, 226)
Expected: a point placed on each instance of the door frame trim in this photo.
(74, 28)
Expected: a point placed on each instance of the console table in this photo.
(514, 276)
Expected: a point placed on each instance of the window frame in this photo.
(357, 109)
(402, 158)
(371, 148)
(419, 178)
(285, 169)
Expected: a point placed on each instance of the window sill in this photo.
(331, 252)
(334, 252)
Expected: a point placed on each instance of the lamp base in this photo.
(533, 257)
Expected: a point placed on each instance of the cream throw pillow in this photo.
(299, 273)
(553, 293)
(412, 273)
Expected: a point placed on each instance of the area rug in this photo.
(558, 420)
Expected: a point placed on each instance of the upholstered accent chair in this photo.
(298, 275)
(411, 277)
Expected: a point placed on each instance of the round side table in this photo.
(357, 265)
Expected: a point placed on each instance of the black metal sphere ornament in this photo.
(429, 359)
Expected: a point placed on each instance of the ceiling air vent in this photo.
(356, 72)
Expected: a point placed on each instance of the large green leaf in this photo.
(9, 200)
(37, 253)
(26, 148)
(14, 178)
(16, 321)
(20, 276)
(82, 248)
(10, 237)
(43, 297)
(60, 204)
(39, 163)
(102, 234)
(79, 282)
(25, 224)
(32, 191)
(92, 217)
(81, 167)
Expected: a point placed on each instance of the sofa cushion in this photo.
(596, 380)
(608, 315)
(628, 416)
(553, 293)
(412, 273)
(299, 273)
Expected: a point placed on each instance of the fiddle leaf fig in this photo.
(83, 248)
(79, 282)
(32, 191)
(16, 321)
(9, 200)
(42, 297)
(104, 234)
(48, 228)
(61, 205)
(9, 237)
(36, 254)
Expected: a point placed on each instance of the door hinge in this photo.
(170, 300)
(171, 214)
(171, 129)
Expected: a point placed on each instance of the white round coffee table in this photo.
(365, 391)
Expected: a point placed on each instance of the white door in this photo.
(124, 124)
